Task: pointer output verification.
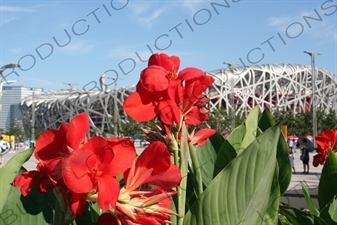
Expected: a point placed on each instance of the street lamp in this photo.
(230, 66)
(71, 85)
(8, 66)
(313, 86)
(116, 114)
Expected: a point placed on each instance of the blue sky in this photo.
(116, 37)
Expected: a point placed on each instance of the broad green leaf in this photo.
(229, 148)
(10, 171)
(241, 193)
(36, 208)
(266, 120)
(216, 141)
(206, 155)
(282, 157)
(252, 128)
(333, 210)
(271, 216)
(191, 190)
(327, 188)
(299, 217)
(310, 203)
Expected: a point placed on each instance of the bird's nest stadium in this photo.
(273, 86)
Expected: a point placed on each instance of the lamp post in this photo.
(70, 85)
(230, 66)
(313, 86)
(116, 114)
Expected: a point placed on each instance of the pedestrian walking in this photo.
(305, 155)
(291, 159)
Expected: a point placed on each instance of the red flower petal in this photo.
(194, 88)
(84, 165)
(50, 145)
(190, 73)
(77, 130)
(169, 63)
(77, 203)
(124, 154)
(201, 136)
(168, 180)
(168, 112)
(195, 117)
(108, 191)
(154, 79)
(137, 109)
(25, 181)
(154, 160)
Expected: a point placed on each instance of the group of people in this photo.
(304, 148)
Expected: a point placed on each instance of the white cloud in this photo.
(193, 5)
(5, 20)
(15, 50)
(144, 13)
(78, 47)
(323, 29)
(14, 9)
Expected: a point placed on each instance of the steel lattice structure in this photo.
(274, 86)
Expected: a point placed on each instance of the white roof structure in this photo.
(274, 86)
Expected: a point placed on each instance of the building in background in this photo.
(285, 87)
(10, 100)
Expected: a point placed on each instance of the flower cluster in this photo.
(326, 141)
(169, 95)
(80, 170)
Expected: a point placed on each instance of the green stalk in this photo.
(183, 169)
(59, 218)
(196, 168)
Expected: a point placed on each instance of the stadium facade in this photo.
(273, 86)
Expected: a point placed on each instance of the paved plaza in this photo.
(293, 196)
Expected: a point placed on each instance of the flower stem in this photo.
(183, 168)
(196, 168)
(59, 218)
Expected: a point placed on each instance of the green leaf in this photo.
(299, 217)
(216, 141)
(10, 171)
(36, 208)
(229, 148)
(271, 216)
(333, 210)
(206, 155)
(266, 120)
(252, 128)
(241, 193)
(327, 188)
(282, 157)
(310, 203)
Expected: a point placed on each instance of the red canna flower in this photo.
(200, 137)
(150, 205)
(51, 149)
(54, 145)
(93, 168)
(169, 95)
(327, 140)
